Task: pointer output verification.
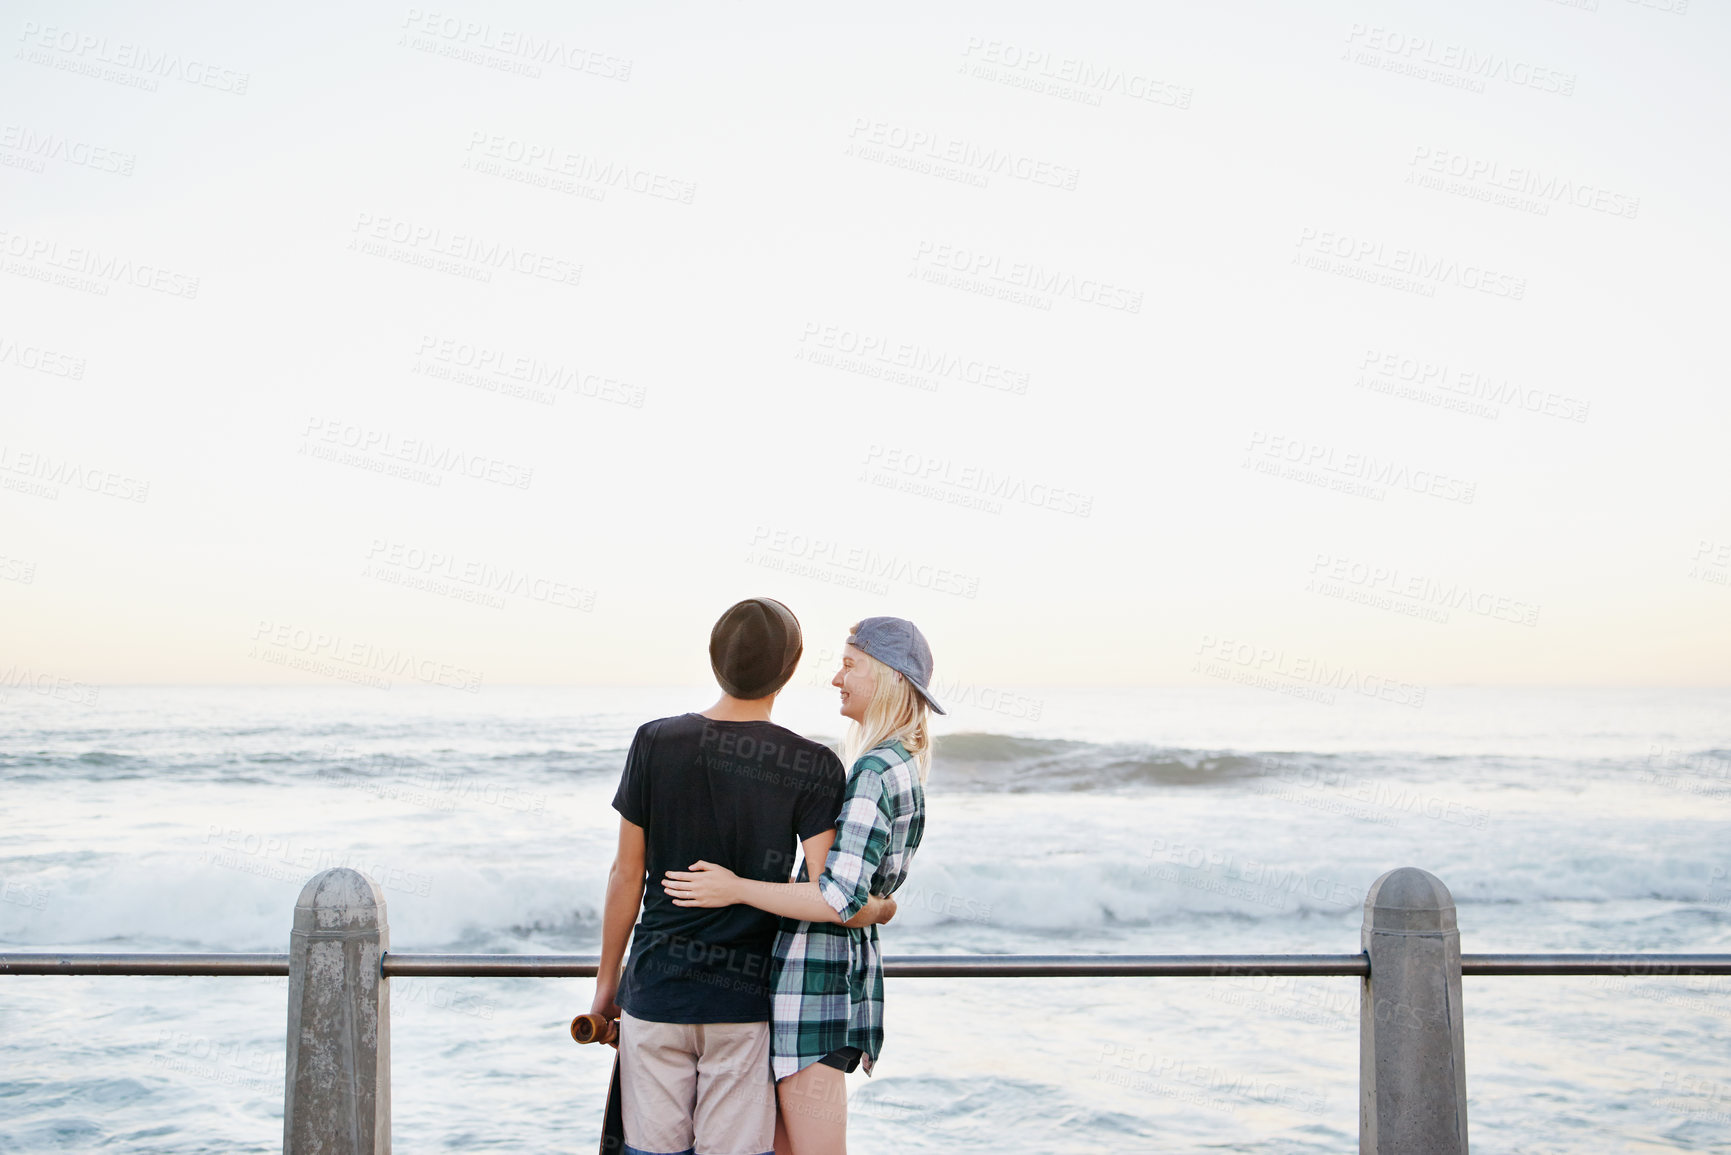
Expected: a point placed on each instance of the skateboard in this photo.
(599, 1029)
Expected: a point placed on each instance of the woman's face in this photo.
(856, 684)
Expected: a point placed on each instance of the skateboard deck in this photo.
(596, 1029)
(613, 1122)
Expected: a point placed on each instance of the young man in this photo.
(731, 787)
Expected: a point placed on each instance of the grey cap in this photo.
(898, 644)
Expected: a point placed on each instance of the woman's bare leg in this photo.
(813, 1115)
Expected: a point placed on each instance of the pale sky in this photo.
(1112, 343)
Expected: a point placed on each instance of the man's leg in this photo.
(658, 1081)
(735, 1093)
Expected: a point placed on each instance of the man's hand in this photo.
(705, 884)
(876, 910)
(606, 1002)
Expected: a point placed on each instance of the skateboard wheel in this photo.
(593, 1028)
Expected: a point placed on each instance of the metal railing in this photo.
(947, 966)
(1412, 1056)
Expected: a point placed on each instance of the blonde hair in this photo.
(895, 711)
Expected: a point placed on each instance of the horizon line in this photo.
(637, 685)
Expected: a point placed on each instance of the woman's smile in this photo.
(856, 683)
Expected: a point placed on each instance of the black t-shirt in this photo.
(740, 795)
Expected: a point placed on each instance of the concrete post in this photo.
(1412, 1084)
(337, 1097)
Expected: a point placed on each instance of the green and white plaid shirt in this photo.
(829, 979)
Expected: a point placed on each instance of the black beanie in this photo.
(754, 648)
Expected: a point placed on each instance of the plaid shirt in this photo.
(829, 979)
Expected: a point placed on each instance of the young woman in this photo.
(828, 997)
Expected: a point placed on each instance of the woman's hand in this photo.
(705, 884)
(878, 910)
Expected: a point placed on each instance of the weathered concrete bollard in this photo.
(1412, 1081)
(337, 1096)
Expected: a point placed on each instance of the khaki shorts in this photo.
(696, 1087)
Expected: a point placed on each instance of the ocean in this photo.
(1231, 820)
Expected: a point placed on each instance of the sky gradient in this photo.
(1364, 347)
